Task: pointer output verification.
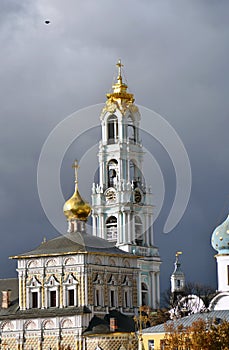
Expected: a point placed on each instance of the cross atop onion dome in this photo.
(119, 88)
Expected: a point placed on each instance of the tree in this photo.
(148, 317)
(194, 297)
(201, 335)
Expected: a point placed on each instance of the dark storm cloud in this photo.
(175, 55)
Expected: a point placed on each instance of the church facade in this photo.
(82, 290)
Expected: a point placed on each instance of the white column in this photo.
(94, 225)
(158, 289)
(128, 238)
(151, 290)
(119, 228)
(124, 227)
(133, 235)
(154, 290)
(102, 225)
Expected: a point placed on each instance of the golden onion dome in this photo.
(75, 208)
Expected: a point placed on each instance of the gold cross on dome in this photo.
(76, 167)
(119, 65)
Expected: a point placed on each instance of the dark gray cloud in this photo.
(175, 55)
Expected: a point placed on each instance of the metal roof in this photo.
(75, 243)
(188, 320)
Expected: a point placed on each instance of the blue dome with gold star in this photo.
(220, 238)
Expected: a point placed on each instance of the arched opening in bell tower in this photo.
(135, 174)
(111, 229)
(112, 168)
(138, 230)
(112, 129)
(131, 130)
(144, 294)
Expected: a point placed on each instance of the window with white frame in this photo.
(127, 294)
(98, 291)
(113, 292)
(52, 292)
(70, 291)
(33, 291)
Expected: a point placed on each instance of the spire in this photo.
(119, 88)
(177, 263)
(76, 208)
(76, 167)
(177, 277)
(119, 77)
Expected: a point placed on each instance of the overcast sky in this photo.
(176, 63)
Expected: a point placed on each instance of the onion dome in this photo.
(76, 208)
(120, 89)
(220, 238)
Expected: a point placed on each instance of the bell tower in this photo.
(122, 203)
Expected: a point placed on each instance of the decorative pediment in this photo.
(97, 279)
(126, 281)
(52, 281)
(34, 282)
(98, 348)
(122, 347)
(112, 281)
(70, 280)
(7, 326)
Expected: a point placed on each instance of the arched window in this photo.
(135, 175)
(112, 129)
(131, 130)
(138, 230)
(112, 169)
(111, 228)
(144, 294)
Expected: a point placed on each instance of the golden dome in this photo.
(120, 89)
(76, 208)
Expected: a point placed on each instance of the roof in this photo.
(188, 320)
(97, 325)
(76, 242)
(13, 312)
